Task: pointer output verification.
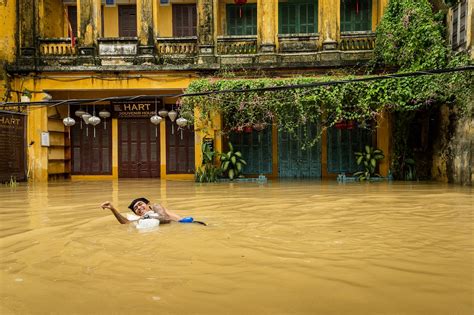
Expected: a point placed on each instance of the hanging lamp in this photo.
(104, 114)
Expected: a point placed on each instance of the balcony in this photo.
(357, 41)
(177, 50)
(57, 51)
(237, 49)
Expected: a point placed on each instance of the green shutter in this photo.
(299, 16)
(293, 160)
(353, 19)
(241, 25)
(341, 146)
(256, 148)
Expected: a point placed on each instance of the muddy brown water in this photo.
(286, 247)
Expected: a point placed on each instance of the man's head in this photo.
(139, 206)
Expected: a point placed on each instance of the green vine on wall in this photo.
(409, 38)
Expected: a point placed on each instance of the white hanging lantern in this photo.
(79, 114)
(182, 122)
(155, 120)
(172, 115)
(104, 114)
(86, 116)
(68, 122)
(163, 113)
(94, 120)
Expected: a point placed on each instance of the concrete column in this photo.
(329, 25)
(384, 136)
(205, 31)
(89, 26)
(37, 154)
(27, 26)
(145, 27)
(267, 12)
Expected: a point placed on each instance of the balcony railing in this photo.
(56, 47)
(357, 41)
(176, 46)
(293, 43)
(236, 45)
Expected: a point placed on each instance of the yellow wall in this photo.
(7, 31)
(164, 23)
(111, 25)
(52, 13)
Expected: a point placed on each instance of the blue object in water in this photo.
(186, 220)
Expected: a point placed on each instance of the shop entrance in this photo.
(139, 149)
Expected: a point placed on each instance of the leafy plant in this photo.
(232, 163)
(207, 172)
(369, 160)
(409, 169)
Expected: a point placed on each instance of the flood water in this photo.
(285, 247)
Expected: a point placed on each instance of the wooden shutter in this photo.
(12, 147)
(127, 21)
(256, 148)
(356, 15)
(298, 17)
(91, 155)
(293, 160)
(341, 147)
(245, 24)
(72, 15)
(184, 20)
(179, 150)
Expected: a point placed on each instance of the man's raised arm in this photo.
(120, 218)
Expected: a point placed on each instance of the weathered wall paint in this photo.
(89, 27)
(329, 17)
(7, 32)
(51, 18)
(267, 13)
(145, 22)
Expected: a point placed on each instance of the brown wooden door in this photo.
(91, 155)
(139, 149)
(12, 147)
(179, 150)
(127, 21)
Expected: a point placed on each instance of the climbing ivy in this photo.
(409, 38)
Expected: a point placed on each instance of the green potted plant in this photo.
(232, 163)
(25, 96)
(368, 159)
(207, 172)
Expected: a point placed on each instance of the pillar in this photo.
(89, 25)
(205, 31)
(145, 28)
(267, 13)
(37, 153)
(27, 27)
(384, 136)
(329, 25)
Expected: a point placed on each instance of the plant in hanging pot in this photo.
(25, 96)
(232, 163)
(368, 159)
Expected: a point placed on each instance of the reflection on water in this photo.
(283, 247)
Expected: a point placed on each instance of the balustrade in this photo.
(57, 47)
(357, 41)
(177, 46)
(236, 45)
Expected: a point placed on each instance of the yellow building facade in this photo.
(101, 50)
